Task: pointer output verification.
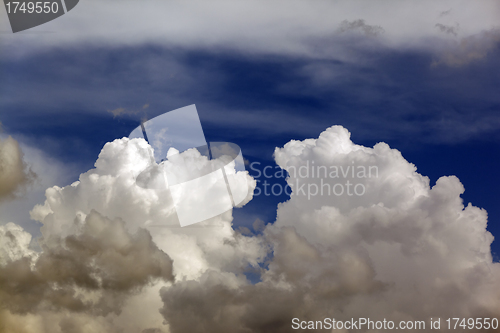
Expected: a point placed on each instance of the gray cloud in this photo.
(445, 12)
(360, 25)
(447, 29)
(15, 175)
(317, 283)
(468, 49)
(152, 330)
(92, 275)
(404, 251)
(90, 271)
(279, 27)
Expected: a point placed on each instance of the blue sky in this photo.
(444, 119)
(292, 83)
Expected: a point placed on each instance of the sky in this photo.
(409, 88)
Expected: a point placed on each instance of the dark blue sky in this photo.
(444, 119)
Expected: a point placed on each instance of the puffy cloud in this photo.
(401, 251)
(112, 189)
(303, 281)
(14, 243)
(422, 243)
(49, 171)
(394, 247)
(15, 175)
(99, 269)
(88, 271)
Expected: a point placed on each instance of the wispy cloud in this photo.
(360, 25)
(123, 111)
(452, 30)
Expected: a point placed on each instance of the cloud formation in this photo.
(120, 111)
(14, 243)
(280, 27)
(112, 190)
(89, 271)
(448, 29)
(15, 175)
(99, 269)
(402, 250)
(468, 49)
(368, 30)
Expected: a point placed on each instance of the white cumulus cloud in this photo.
(402, 251)
(114, 258)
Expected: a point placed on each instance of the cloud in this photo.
(401, 250)
(49, 171)
(14, 243)
(445, 12)
(374, 98)
(302, 281)
(112, 189)
(15, 175)
(89, 271)
(360, 25)
(468, 49)
(280, 27)
(122, 111)
(98, 262)
(448, 29)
